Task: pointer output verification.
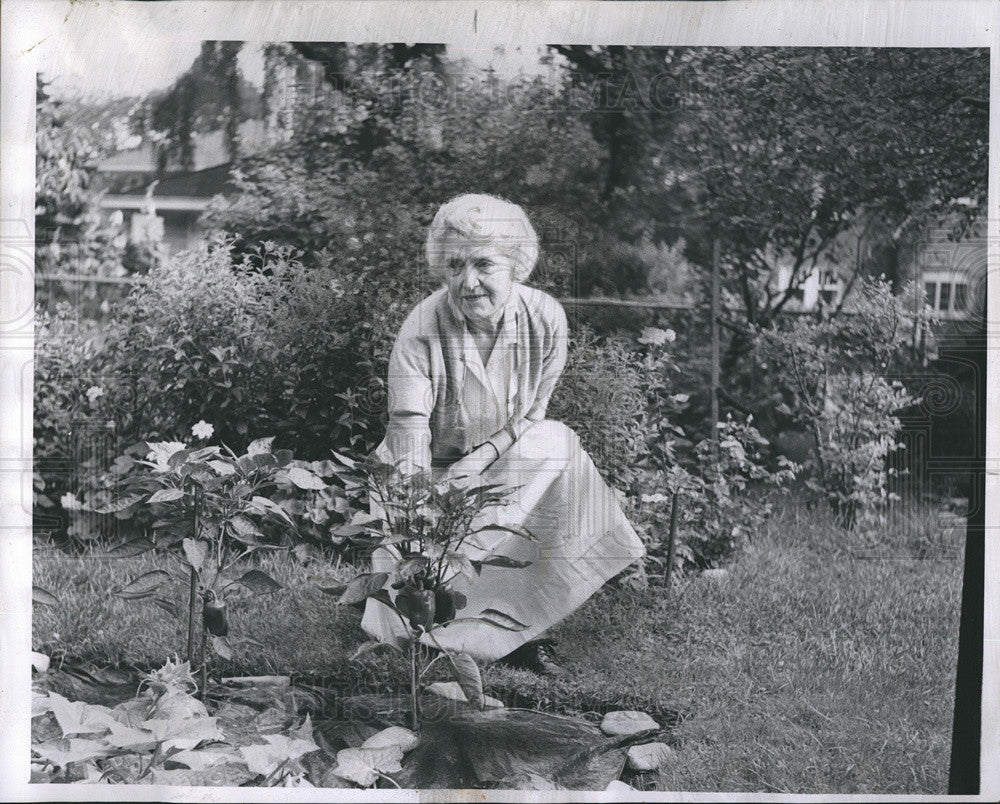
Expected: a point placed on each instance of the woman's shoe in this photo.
(537, 656)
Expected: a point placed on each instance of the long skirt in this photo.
(583, 539)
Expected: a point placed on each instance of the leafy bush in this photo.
(834, 378)
(262, 345)
(602, 396)
(723, 496)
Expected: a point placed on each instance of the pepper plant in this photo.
(435, 535)
(212, 509)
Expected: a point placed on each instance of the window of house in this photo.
(798, 295)
(930, 293)
(961, 296)
(944, 300)
(829, 297)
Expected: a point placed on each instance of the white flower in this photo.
(70, 502)
(94, 392)
(654, 336)
(202, 430)
(680, 399)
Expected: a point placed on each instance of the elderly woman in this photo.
(470, 376)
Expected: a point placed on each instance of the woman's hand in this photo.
(473, 464)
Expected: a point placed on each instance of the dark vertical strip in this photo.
(963, 777)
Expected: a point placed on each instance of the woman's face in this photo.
(479, 277)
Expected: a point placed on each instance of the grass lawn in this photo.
(821, 663)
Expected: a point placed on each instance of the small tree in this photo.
(212, 509)
(428, 528)
(838, 379)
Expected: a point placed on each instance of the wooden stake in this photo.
(671, 542)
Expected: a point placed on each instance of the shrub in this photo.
(602, 396)
(834, 378)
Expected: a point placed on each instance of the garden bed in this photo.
(821, 662)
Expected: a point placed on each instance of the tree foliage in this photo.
(71, 233)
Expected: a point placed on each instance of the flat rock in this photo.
(453, 691)
(715, 574)
(620, 723)
(651, 756)
(617, 786)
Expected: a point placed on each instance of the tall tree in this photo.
(790, 148)
(212, 94)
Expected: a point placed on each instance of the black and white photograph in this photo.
(489, 402)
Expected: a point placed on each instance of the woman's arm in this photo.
(411, 401)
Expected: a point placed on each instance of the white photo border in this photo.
(32, 26)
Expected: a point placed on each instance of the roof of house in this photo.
(209, 150)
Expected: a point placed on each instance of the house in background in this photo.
(166, 207)
(952, 271)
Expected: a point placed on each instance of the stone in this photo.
(618, 724)
(617, 786)
(715, 574)
(651, 756)
(453, 691)
(39, 661)
(394, 735)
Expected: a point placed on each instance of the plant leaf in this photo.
(166, 495)
(259, 582)
(501, 620)
(169, 606)
(364, 765)
(178, 458)
(304, 479)
(222, 647)
(343, 459)
(195, 552)
(522, 532)
(132, 547)
(206, 758)
(118, 505)
(370, 646)
(144, 585)
(260, 446)
(363, 587)
(185, 733)
(43, 597)
(263, 759)
(467, 675)
(78, 751)
(272, 506)
(245, 530)
(503, 561)
(77, 717)
(123, 736)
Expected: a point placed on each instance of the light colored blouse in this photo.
(444, 402)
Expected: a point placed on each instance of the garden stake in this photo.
(192, 615)
(671, 541)
(204, 664)
(414, 698)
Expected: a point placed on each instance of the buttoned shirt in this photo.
(444, 401)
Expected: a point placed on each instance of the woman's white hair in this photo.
(484, 220)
